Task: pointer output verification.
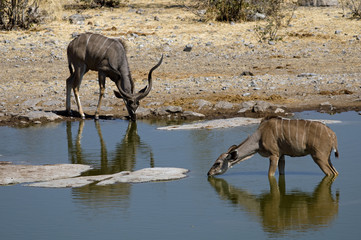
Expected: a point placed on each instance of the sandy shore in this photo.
(315, 66)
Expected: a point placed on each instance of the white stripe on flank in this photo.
(313, 143)
(105, 51)
(87, 41)
(321, 131)
(304, 134)
(289, 131)
(100, 48)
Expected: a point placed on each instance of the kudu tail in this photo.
(70, 68)
(336, 152)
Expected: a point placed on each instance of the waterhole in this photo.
(243, 203)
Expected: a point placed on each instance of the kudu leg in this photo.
(69, 86)
(101, 78)
(273, 163)
(325, 166)
(281, 165)
(78, 76)
(333, 168)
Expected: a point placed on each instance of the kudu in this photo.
(277, 137)
(107, 56)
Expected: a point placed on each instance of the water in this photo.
(243, 203)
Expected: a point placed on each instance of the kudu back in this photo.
(277, 137)
(107, 56)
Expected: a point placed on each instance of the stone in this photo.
(279, 110)
(14, 174)
(37, 115)
(261, 106)
(248, 104)
(143, 112)
(31, 103)
(247, 73)
(219, 123)
(140, 176)
(173, 109)
(223, 105)
(258, 16)
(225, 123)
(201, 104)
(307, 75)
(188, 48)
(191, 114)
(76, 19)
(147, 175)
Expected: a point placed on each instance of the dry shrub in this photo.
(25, 13)
(104, 3)
(18, 13)
(354, 6)
(279, 15)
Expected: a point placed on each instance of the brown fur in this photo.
(294, 138)
(277, 137)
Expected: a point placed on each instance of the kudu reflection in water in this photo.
(280, 211)
(122, 159)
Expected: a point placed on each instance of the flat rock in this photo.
(261, 106)
(147, 175)
(191, 114)
(219, 123)
(227, 123)
(143, 112)
(201, 104)
(140, 176)
(70, 182)
(14, 174)
(37, 115)
(223, 105)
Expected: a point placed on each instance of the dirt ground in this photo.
(317, 63)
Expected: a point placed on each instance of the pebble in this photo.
(188, 48)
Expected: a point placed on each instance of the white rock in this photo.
(147, 175)
(13, 174)
(143, 175)
(219, 123)
(225, 123)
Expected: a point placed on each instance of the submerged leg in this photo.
(325, 166)
(273, 163)
(281, 165)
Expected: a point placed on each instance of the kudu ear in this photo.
(117, 94)
(233, 155)
(143, 90)
(231, 148)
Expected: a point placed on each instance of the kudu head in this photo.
(223, 162)
(132, 100)
(228, 159)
